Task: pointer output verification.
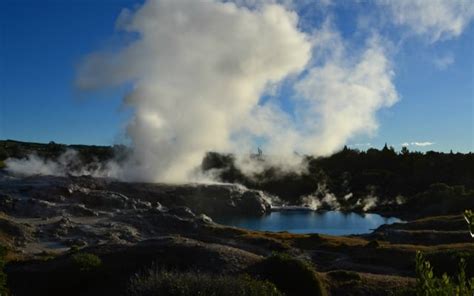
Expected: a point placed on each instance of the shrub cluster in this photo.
(430, 285)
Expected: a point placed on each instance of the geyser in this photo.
(199, 69)
(206, 75)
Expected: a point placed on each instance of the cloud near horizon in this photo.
(419, 144)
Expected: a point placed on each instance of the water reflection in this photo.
(330, 222)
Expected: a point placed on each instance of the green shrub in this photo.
(86, 261)
(166, 283)
(290, 275)
(429, 285)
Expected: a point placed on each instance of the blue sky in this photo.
(43, 43)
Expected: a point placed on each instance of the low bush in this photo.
(428, 284)
(169, 283)
(290, 275)
(86, 261)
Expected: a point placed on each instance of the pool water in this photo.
(329, 222)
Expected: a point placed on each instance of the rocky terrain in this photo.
(46, 213)
(46, 220)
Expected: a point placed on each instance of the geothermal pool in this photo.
(328, 222)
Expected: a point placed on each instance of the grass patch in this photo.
(160, 282)
(86, 261)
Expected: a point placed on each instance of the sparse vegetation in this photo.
(86, 261)
(459, 285)
(169, 283)
(430, 285)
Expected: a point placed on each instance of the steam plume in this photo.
(199, 70)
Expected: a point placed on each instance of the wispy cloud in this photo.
(422, 143)
(418, 144)
(361, 145)
(443, 62)
(436, 19)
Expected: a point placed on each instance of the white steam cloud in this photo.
(340, 98)
(201, 67)
(199, 70)
(67, 163)
(322, 198)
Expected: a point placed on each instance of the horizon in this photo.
(255, 152)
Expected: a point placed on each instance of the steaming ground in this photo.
(66, 164)
(69, 164)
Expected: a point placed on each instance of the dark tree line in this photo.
(414, 177)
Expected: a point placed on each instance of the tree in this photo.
(405, 151)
